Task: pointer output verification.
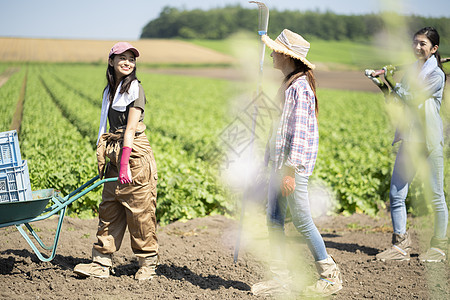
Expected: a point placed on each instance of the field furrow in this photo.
(9, 95)
(78, 110)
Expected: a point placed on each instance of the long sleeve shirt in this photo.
(297, 138)
(422, 92)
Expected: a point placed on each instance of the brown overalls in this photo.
(132, 204)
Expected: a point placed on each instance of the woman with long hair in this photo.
(293, 149)
(422, 141)
(131, 201)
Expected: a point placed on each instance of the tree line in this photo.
(220, 23)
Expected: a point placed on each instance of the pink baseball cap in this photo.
(121, 47)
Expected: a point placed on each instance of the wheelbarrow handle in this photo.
(60, 205)
(86, 188)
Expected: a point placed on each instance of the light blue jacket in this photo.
(422, 95)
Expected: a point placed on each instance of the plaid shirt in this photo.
(298, 133)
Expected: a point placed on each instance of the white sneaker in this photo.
(271, 287)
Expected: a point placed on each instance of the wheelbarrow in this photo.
(22, 213)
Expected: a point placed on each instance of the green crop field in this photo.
(60, 124)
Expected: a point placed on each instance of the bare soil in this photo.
(196, 262)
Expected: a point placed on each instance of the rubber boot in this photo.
(330, 281)
(437, 252)
(278, 285)
(147, 267)
(400, 249)
(100, 267)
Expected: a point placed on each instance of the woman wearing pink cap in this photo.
(132, 200)
(293, 148)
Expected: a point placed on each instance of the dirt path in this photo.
(16, 121)
(345, 80)
(197, 262)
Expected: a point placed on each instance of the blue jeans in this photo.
(404, 171)
(301, 216)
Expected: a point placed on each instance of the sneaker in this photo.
(433, 255)
(92, 269)
(272, 287)
(437, 251)
(330, 280)
(400, 249)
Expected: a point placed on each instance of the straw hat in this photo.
(291, 44)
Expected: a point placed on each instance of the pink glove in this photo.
(124, 171)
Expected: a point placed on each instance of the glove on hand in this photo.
(125, 171)
(389, 75)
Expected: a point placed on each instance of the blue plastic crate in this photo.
(9, 149)
(15, 183)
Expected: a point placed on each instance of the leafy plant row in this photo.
(355, 154)
(2, 68)
(78, 110)
(9, 94)
(58, 155)
(192, 111)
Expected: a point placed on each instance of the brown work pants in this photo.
(132, 205)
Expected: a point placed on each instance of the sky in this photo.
(124, 20)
